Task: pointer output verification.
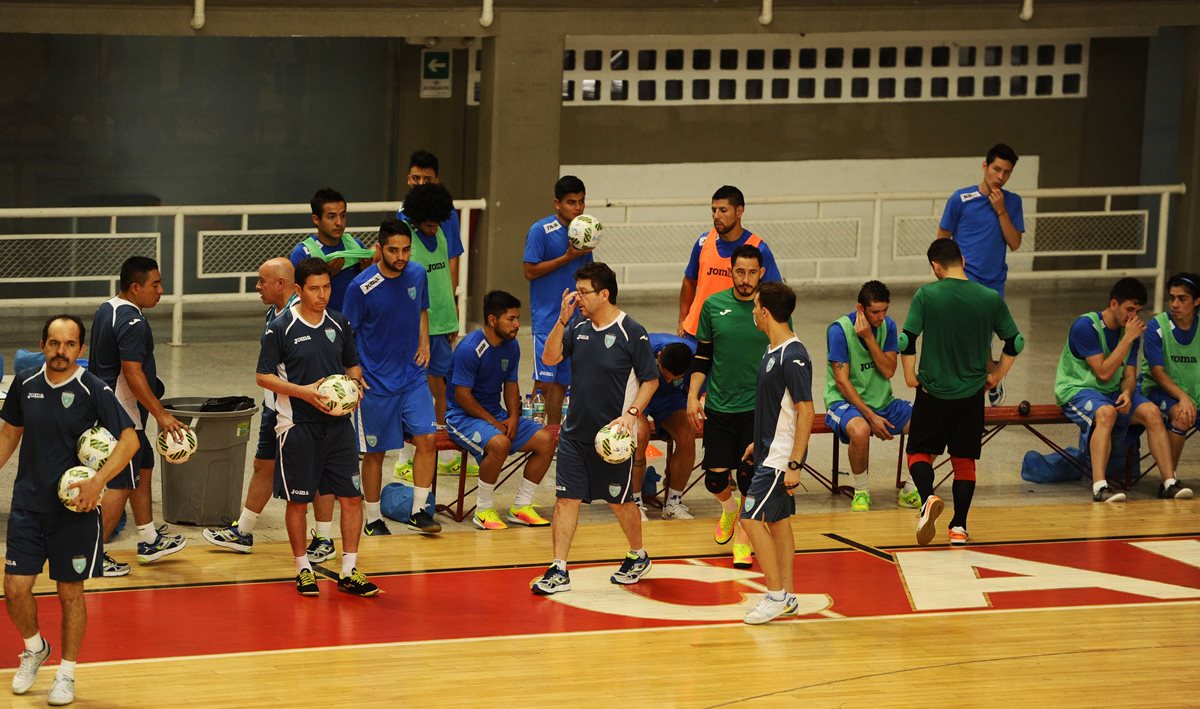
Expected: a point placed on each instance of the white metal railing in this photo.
(31, 268)
(849, 238)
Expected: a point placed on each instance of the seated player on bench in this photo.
(668, 409)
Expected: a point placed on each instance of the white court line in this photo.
(613, 631)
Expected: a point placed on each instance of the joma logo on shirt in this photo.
(436, 266)
(713, 271)
(34, 395)
(302, 338)
(1183, 359)
(865, 366)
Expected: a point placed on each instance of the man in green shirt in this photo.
(729, 348)
(1171, 369)
(958, 318)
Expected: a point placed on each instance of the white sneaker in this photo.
(642, 510)
(62, 692)
(677, 510)
(766, 611)
(31, 662)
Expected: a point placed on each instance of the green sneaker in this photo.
(909, 498)
(454, 465)
(403, 472)
(861, 501)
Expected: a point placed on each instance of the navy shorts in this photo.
(441, 356)
(317, 458)
(841, 413)
(767, 501)
(70, 541)
(268, 444)
(473, 434)
(131, 475)
(582, 474)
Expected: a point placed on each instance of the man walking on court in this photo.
(617, 376)
(45, 414)
(783, 418)
(316, 449)
(707, 270)
(122, 356)
(958, 319)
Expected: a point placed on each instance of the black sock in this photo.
(922, 477)
(963, 490)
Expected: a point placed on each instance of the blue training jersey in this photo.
(302, 352)
(971, 220)
(547, 239)
(658, 341)
(385, 314)
(607, 366)
(484, 369)
(121, 333)
(784, 378)
(54, 416)
(341, 279)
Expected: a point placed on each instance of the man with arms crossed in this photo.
(48, 412)
(615, 376)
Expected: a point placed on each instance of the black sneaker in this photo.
(357, 584)
(378, 528)
(555, 580)
(320, 549)
(1176, 492)
(633, 568)
(306, 583)
(1107, 494)
(423, 523)
(112, 567)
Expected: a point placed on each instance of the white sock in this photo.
(302, 563)
(35, 643)
(560, 564)
(637, 498)
(674, 497)
(1168, 483)
(325, 529)
(641, 553)
(247, 520)
(147, 533)
(349, 562)
(859, 481)
(371, 510)
(1097, 485)
(908, 485)
(404, 455)
(447, 457)
(420, 495)
(729, 506)
(525, 493)
(776, 595)
(483, 498)
(66, 669)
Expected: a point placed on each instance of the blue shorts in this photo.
(581, 474)
(70, 541)
(473, 434)
(841, 413)
(1081, 410)
(1165, 402)
(441, 356)
(317, 458)
(558, 374)
(665, 403)
(766, 500)
(131, 475)
(268, 445)
(383, 420)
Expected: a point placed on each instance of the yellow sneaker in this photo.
(527, 515)
(725, 527)
(488, 518)
(454, 465)
(743, 556)
(403, 471)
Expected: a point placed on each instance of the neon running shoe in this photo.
(487, 518)
(725, 527)
(403, 472)
(925, 523)
(959, 536)
(306, 583)
(910, 499)
(527, 515)
(743, 556)
(451, 467)
(861, 502)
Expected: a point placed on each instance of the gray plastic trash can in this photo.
(208, 487)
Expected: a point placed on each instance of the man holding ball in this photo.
(50, 410)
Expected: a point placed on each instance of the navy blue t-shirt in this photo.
(54, 416)
(484, 369)
(302, 353)
(784, 378)
(607, 366)
(121, 333)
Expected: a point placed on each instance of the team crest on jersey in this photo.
(476, 437)
(371, 440)
(609, 340)
(770, 364)
(330, 333)
(68, 398)
(412, 292)
(357, 480)
(79, 563)
(504, 364)
(614, 490)
(749, 503)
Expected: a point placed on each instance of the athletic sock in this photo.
(371, 510)
(349, 561)
(302, 563)
(66, 669)
(420, 495)
(483, 499)
(1168, 483)
(247, 520)
(922, 476)
(908, 485)
(147, 533)
(637, 498)
(36, 643)
(779, 595)
(674, 497)
(447, 457)
(525, 493)
(325, 529)
(640, 553)
(560, 564)
(404, 455)
(963, 491)
(1096, 486)
(859, 480)
(729, 506)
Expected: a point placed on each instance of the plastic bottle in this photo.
(566, 403)
(527, 406)
(539, 408)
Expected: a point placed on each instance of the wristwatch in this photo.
(634, 411)
(793, 465)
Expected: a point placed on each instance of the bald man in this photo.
(277, 288)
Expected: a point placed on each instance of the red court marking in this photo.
(128, 625)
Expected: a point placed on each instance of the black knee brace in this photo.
(716, 481)
(745, 472)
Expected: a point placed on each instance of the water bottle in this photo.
(539, 409)
(527, 406)
(566, 403)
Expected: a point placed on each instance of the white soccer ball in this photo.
(76, 474)
(584, 232)
(174, 451)
(614, 445)
(341, 394)
(94, 447)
